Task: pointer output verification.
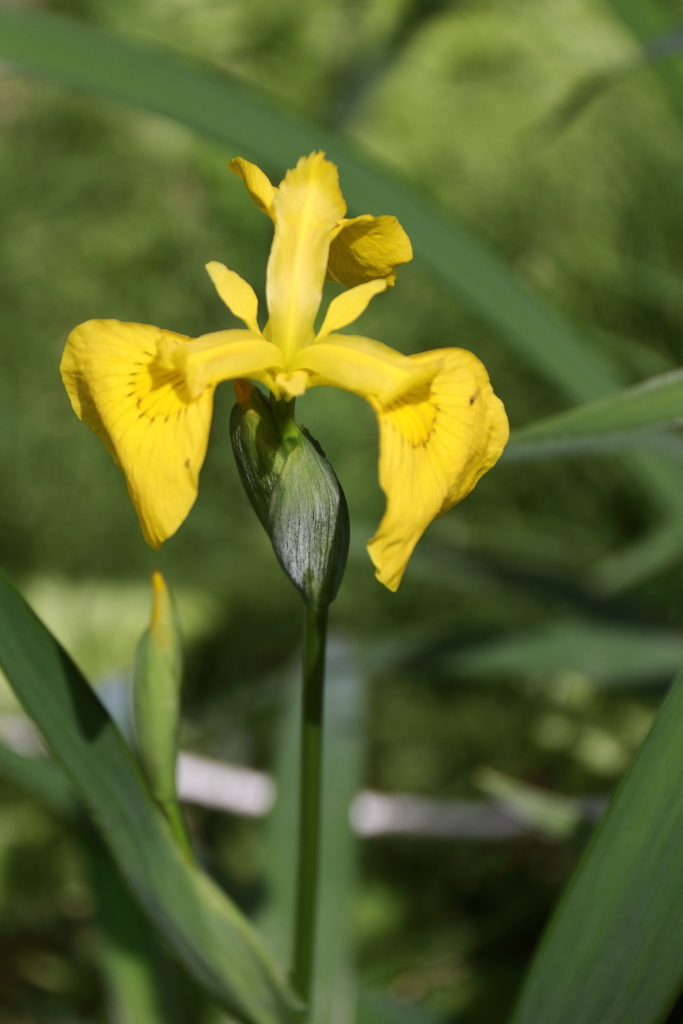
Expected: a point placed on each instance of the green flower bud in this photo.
(295, 494)
(156, 694)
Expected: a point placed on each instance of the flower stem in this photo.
(315, 637)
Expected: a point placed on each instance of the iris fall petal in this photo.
(119, 385)
(436, 441)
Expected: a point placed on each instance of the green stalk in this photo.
(315, 637)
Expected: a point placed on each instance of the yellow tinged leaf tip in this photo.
(158, 588)
(436, 441)
(162, 628)
(120, 385)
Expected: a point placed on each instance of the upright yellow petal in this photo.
(258, 185)
(307, 204)
(236, 293)
(119, 386)
(348, 306)
(436, 441)
(366, 248)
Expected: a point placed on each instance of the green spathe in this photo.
(294, 492)
(157, 684)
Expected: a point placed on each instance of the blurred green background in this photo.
(505, 646)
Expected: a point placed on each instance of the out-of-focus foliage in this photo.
(109, 213)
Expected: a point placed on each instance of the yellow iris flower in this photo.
(148, 392)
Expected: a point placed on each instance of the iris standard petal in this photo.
(224, 355)
(257, 184)
(124, 390)
(362, 249)
(236, 293)
(366, 367)
(368, 247)
(436, 441)
(308, 204)
(348, 306)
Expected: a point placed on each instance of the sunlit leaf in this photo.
(655, 401)
(207, 932)
(613, 953)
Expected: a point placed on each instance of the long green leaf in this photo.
(656, 401)
(102, 63)
(143, 984)
(613, 953)
(204, 928)
(609, 654)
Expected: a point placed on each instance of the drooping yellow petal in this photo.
(236, 293)
(436, 441)
(307, 204)
(366, 367)
(368, 247)
(258, 185)
(120, 385)
(348, 306)
(224, 355)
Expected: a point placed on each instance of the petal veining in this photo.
(348, 306)
(307, 204)
(368, 247)
(144, 414)
(236, 293)
(436, 441)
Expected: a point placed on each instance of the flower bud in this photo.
(295, 494)
(156, 695)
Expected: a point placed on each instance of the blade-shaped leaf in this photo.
(216, 944)
(41, 778)
(208, 101)
(613, 953)
(609, 654)
(143, 982)
(655, 401)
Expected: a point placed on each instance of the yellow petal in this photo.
(307, 204)
(236, 293)
(225, 355)
(144, 413)
(366, 248)
(435, 443)
(364, 366)
(348, 306)
(258, 185)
